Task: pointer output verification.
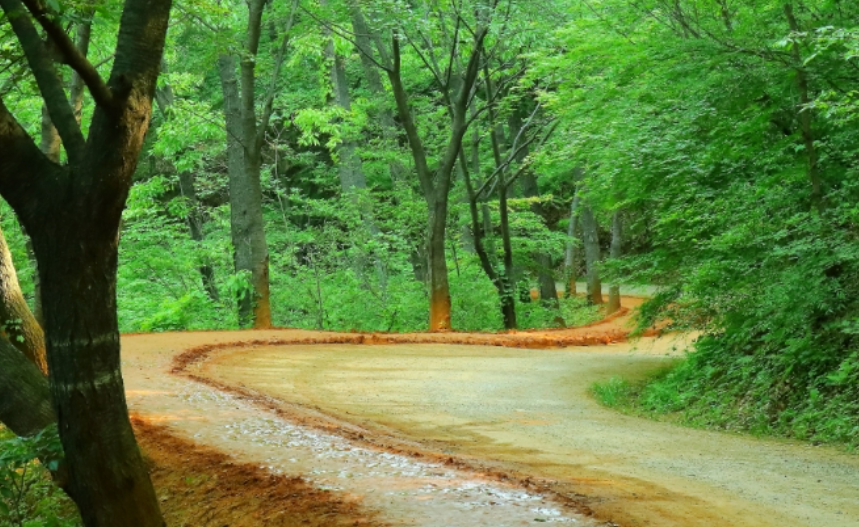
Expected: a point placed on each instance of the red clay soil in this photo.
(201, 487)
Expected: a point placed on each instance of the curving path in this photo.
(505, 436)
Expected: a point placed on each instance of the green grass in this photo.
(696, 395)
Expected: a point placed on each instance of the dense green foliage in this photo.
(727, 133)
(704, 134)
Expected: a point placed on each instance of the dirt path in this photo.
(529, 412)
(393, 489)
(344, 415)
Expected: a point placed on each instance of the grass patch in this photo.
(716, 391)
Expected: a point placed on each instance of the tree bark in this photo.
(246, 220)
(25, 399)
(73, 216)
(51, 143)
(440, 304)
(17, 323)
(508, 303)
(616, 251)
(592, 255)
(571, 256)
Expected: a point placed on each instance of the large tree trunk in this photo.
(77, 253)
(571, 256)
(616, 251)
(246, 221)
(592, 255)
(73, 214)
(17, 322)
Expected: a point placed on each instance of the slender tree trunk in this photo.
(592, 255)
(615, 253)
(571, 257)
(500, 280)
(440, 304)
(363, 41)
(353, 182)
(195, 226)
(165, 97)
(508, 303)
(17, 323)
(246, 219)
(530, 189)
(804, 114)
(50, 144)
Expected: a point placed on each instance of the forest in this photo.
(404, 166)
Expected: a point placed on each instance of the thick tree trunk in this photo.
(592, 255)
(17, 323)
(77, 253)
(246, 220)
(73, 215)
(616, 251)
(195, 226)
(571, 257)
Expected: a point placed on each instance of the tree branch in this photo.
(22, 165)
(72, 56)
(272, 89)
(47, 79)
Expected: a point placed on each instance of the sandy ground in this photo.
(394, 489)
(529, 411)
(414, 432)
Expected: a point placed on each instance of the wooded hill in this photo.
(383, 165)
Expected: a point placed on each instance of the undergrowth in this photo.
(28, 496)
(755, 394)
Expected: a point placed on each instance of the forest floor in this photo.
(450, 435)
